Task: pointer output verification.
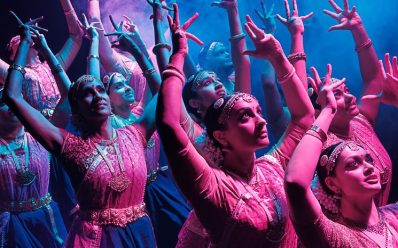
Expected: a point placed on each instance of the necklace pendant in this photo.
(26, 177)
(119, 183)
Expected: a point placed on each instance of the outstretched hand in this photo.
(266, 44)
(348, 19)
(159, 3)
(27, 28)
(293, 21)
(325, 88)
(90, 30)
(389, 77)
(124, 41)
(180, 34)
(267, 17)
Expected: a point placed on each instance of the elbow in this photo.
(293, 186)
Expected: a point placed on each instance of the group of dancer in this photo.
(80, 161)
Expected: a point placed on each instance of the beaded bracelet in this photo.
(287, 76)
(364, 45)
(160, 45)
(296, 56)
(170, 72)
(17, 68)
(237, 37)
(93, 56)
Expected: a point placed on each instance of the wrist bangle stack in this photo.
(294, 57)
(149, 71)
(364, 45)
(173, 72)
(156, 48)
(57, 69)
(17, 68)
(237, 37)
(287, 76)
(318, 133)
(93, 56)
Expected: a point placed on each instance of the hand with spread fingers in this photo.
(389, 77)
(159, 3)
(124, 40)
(266, 44)
(180, 34)
(225, 4)
(325, 88)
(347, 19)
(293, 21)
(27, 28)
(90, 29)
(267, 17)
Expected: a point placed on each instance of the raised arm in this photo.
(368, 61)
(186, 162)
(275, 113)
(46, 133)
(303, 206)
(295, 25)
(389, 78)
(267, 47)
(238, 46)
(62, 111)
(161, 48)
(126, 42)
(72, 45)
(93, 59)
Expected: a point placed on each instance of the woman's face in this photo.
(219, 59)
(355, 173)
(93, 102)
(120, 93)
(246, 128)
(208, 90)
(346, 104)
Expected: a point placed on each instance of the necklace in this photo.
(119, 182)
(276, 230)
(378, 232)
(24, 176)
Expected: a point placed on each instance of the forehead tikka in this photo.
(226, 112)
(330, 162)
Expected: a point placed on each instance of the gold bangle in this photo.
(322, 135)
(364, 45)
(294, 57)
(149, 71)
(237, 37)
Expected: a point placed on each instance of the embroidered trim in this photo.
(114, 216)
(28, 205)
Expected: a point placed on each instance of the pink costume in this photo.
(33, 215)
(326, 233)
(364, 135)
(40, 89)
(91, 176)
(234, 212)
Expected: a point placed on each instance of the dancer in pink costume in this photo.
(348, 182)
(39, 88)
(239, 199)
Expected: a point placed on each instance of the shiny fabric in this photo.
(90, 176)
(29, 228)
(363, 134)
(326, 233)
